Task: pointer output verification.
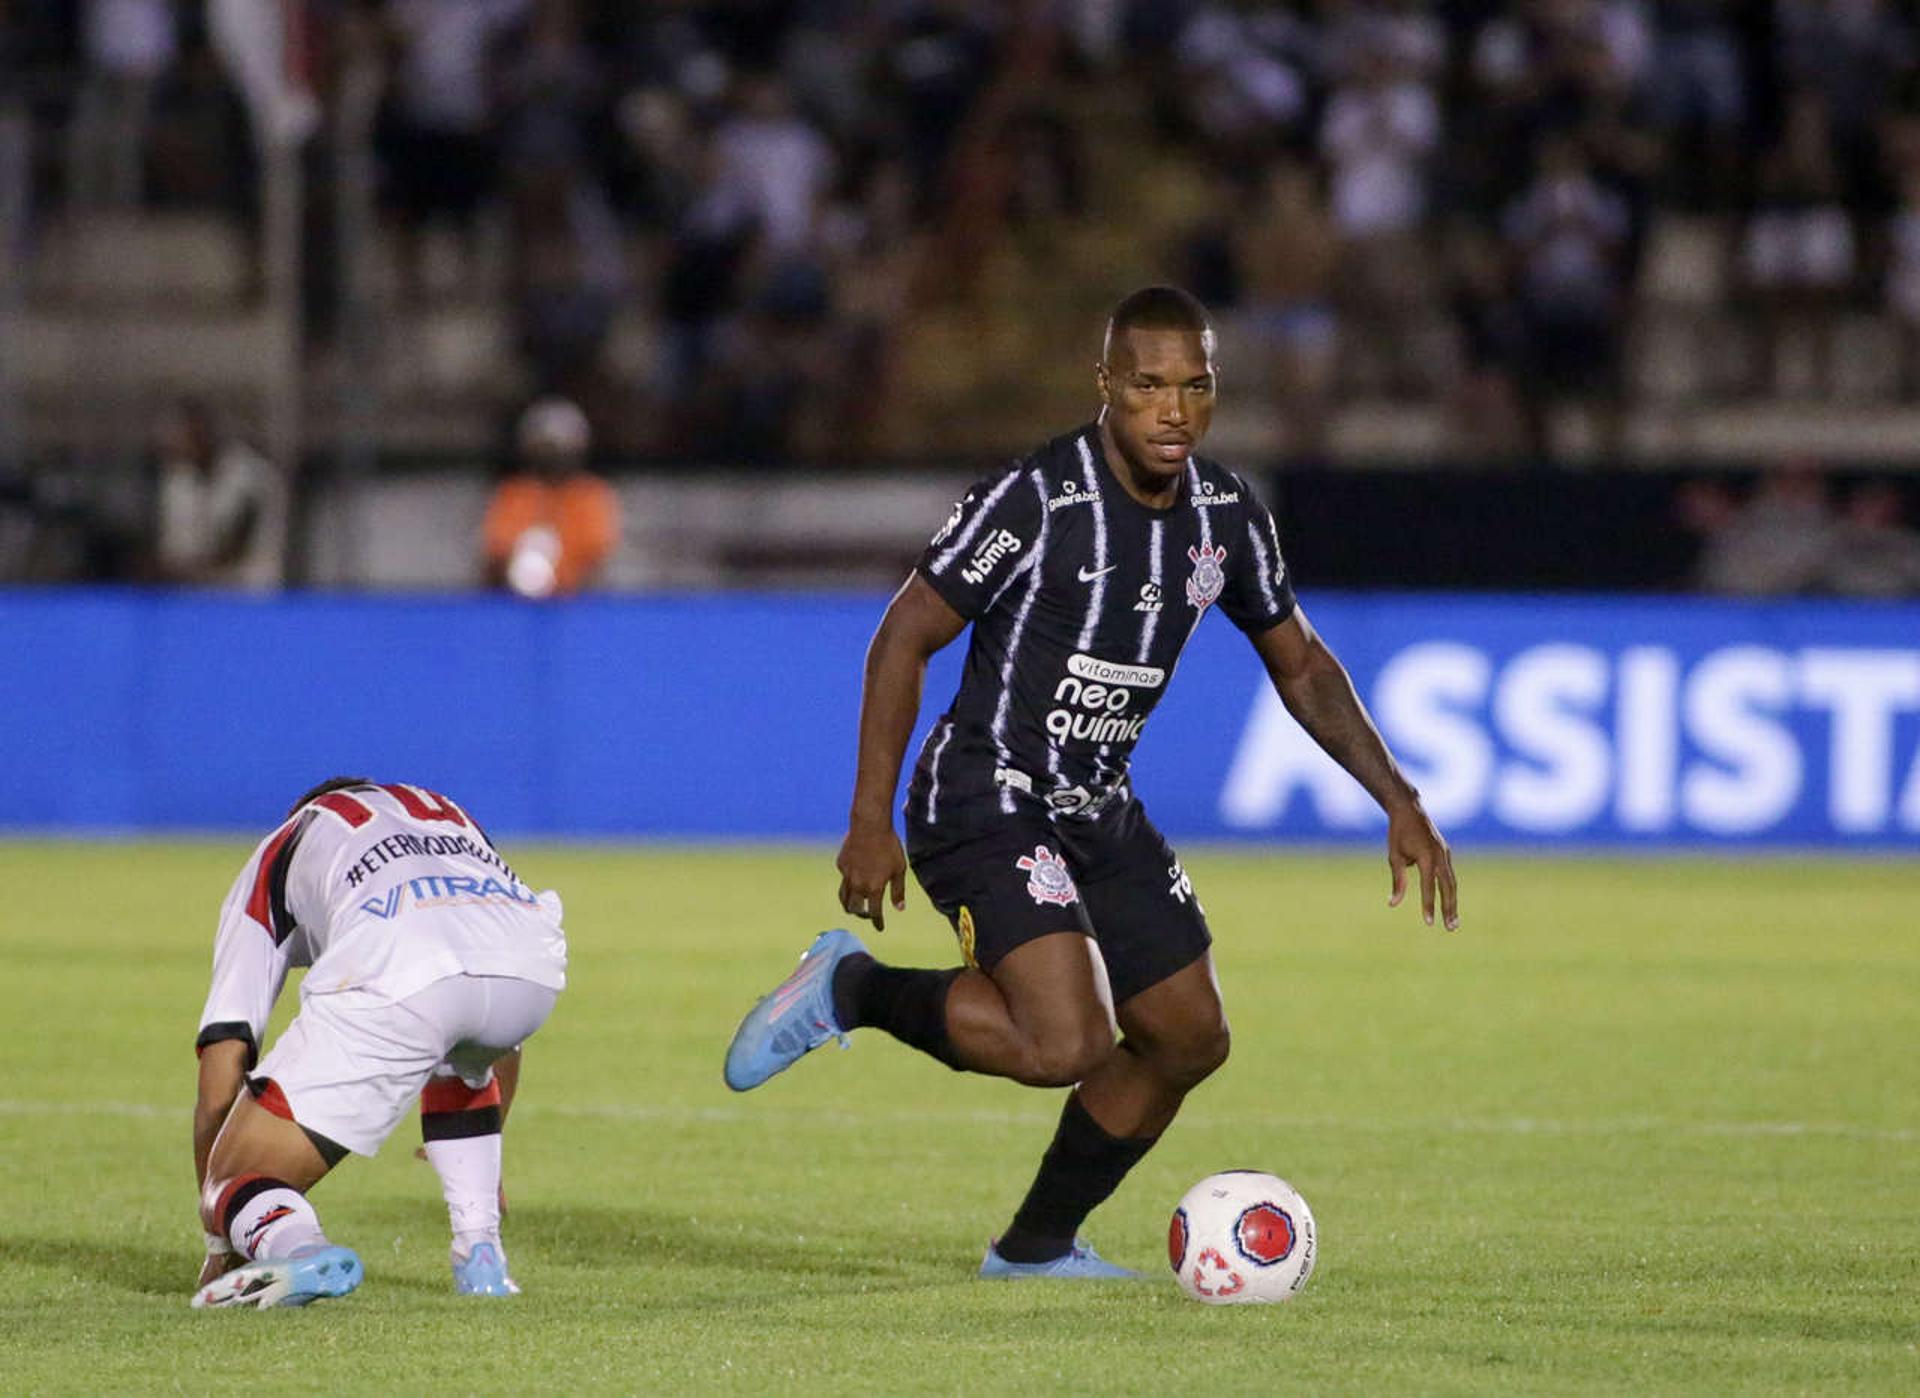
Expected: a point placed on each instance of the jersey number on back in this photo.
(417, 802)
(425, 805)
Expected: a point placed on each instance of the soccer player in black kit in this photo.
(1083, 569)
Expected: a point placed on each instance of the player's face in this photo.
(1158, 386)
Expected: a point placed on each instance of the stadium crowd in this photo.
(1450, 203)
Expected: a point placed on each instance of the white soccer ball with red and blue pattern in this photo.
(1241, 1236)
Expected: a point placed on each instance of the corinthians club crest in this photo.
(1208, 577)
(1047, 878)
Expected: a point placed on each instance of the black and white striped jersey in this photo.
(1081, 600)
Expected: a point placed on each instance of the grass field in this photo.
(1638, 1126)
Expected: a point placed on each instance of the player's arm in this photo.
(872, 864)
(1317, 691)
(249, 967)
(223, 1067)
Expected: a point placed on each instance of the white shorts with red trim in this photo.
(352, 1063)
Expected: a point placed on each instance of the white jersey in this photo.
(384, 889)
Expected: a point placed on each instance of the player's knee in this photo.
(1195, 1057)
(1061, 1060)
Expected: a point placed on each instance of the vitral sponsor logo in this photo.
(1093, 700)
(1001, 544)
(444, 891)
(1564, 738)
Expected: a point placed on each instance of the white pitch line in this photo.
(1464, 1126)
(139, 1109)
(1458, 1126)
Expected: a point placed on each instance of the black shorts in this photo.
(1008, 879)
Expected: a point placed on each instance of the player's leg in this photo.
(260, 1156)
(1031, 1004)
(1042, 1016)
(460, 1132)
(461, 1113)
(1154, 938)
(1174, 1035)
(262, 1165)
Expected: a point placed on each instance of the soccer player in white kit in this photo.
(429, 961)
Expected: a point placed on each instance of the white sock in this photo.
(469, 1169)
(273, 1224)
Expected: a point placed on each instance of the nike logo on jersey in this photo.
(1088, 575)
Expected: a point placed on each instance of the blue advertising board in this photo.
(1525, 720)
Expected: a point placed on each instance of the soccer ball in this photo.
(1241, 1236)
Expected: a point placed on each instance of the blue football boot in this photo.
(1078, 1263)
(311, 1274)
(483, 1272)
(795, 1019)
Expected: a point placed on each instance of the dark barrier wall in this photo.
(1525, 720)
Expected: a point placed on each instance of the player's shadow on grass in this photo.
(603, 1236)
(149, 1271)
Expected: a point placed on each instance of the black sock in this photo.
(1080, 1169)
(911, 1005)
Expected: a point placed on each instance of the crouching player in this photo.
(429, 961)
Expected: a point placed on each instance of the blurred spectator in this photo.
(1873, 552)
(772, 164)
(438, 134)
(1778, 542)
(551, 93)
(1568, 235)
(873, 249)
(934, 62)
(264, 62)
(1843, 55)
(1286, 259)
(1381, 125)
(1902, 288)
(569, 271)
(1242, 81)
(1495, 353)
(214, 500)
(772, 366)
(1799, 249)
(1048, 181)
(127, 47)
(1700, 91)
(552, 524)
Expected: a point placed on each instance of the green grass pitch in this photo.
(1639, 1126)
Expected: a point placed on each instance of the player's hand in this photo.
(218, 1264)
(1413, 840)
(873, 872)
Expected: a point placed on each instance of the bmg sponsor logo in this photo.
(1002, 543)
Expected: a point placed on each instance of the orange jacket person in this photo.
(552, 525)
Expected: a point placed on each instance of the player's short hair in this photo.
(1159, 308)
(330, 784)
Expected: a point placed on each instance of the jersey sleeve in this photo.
(249, 965)
(986, 542)
(1259, 593)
